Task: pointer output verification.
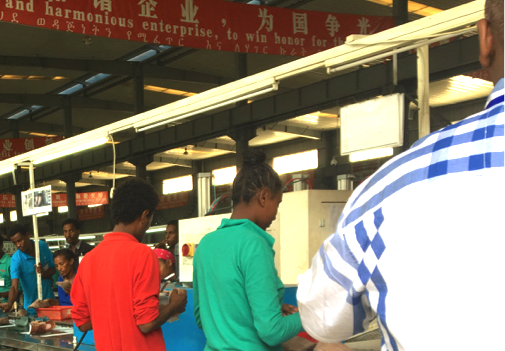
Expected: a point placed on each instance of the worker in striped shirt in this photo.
(419, 245)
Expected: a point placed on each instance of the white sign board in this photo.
(38, 200)
(372, 124)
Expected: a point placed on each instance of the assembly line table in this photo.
(51, 341)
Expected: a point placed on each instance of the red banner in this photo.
(203, 24)
(86, 214)
(59, 200)
(8, 201)
(83, 199)
(173, 200)
(13, 147)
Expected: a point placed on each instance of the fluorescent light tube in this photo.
(95, 205)
(87, 237)
(370, 154)
(73, 150)
(62, 209)
(7, 170)
(54, 239)
(53, 247)
(155, 230)
(213, 107)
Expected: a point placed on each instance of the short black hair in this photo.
(254, 175)
(131, 199)
(67, 253)
(494, 15)
(17, 228)
(174, 222)
(73, 221)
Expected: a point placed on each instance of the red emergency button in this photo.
(188, 250)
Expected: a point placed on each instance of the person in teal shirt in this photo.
(24, 270)
(236, 289)
(5, 273)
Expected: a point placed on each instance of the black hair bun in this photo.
(253, 157)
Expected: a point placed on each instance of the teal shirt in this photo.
(237, 292)
(5, 275)
(23, 268)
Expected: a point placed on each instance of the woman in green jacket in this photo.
(237, 292)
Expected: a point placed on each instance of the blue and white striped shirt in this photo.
(419, 245)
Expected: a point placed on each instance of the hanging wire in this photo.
(113, 167)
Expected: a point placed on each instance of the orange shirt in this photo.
(117, 288)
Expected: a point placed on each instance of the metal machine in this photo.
(305, 219)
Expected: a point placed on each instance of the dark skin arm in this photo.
(13, 293)
(46, 274)
(176, 305)
(162, 245)
(288, 309)
(4, 294)
(86, 327)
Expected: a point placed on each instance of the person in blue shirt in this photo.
(24, 270)
(64, 260)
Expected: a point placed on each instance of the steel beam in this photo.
(401, 11)
(305, 132)
(354, 86)
(26, 126)
(120, 68)
(216, 146)
(174, 161)
(59, 101)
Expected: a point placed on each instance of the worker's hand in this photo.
(177, 300)
(39, 269)
(288, 309)
(6, 307)
(161, 245)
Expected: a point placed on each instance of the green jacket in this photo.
(5, 275)
(237, 292)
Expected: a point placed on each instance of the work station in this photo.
(137, 138)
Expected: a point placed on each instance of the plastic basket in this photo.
(55, 312)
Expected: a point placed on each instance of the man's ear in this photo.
(486, 43)
(145, 216)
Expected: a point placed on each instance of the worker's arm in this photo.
(330, 294)
(45, 273)
(80, 310)
(146, 301)
(86, 327)
(176, 305)
(13, 294)
(262, 286)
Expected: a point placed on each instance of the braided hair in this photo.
(254, 175)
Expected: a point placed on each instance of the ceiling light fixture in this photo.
(72, 150)
(140, 127)
(7, 170)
